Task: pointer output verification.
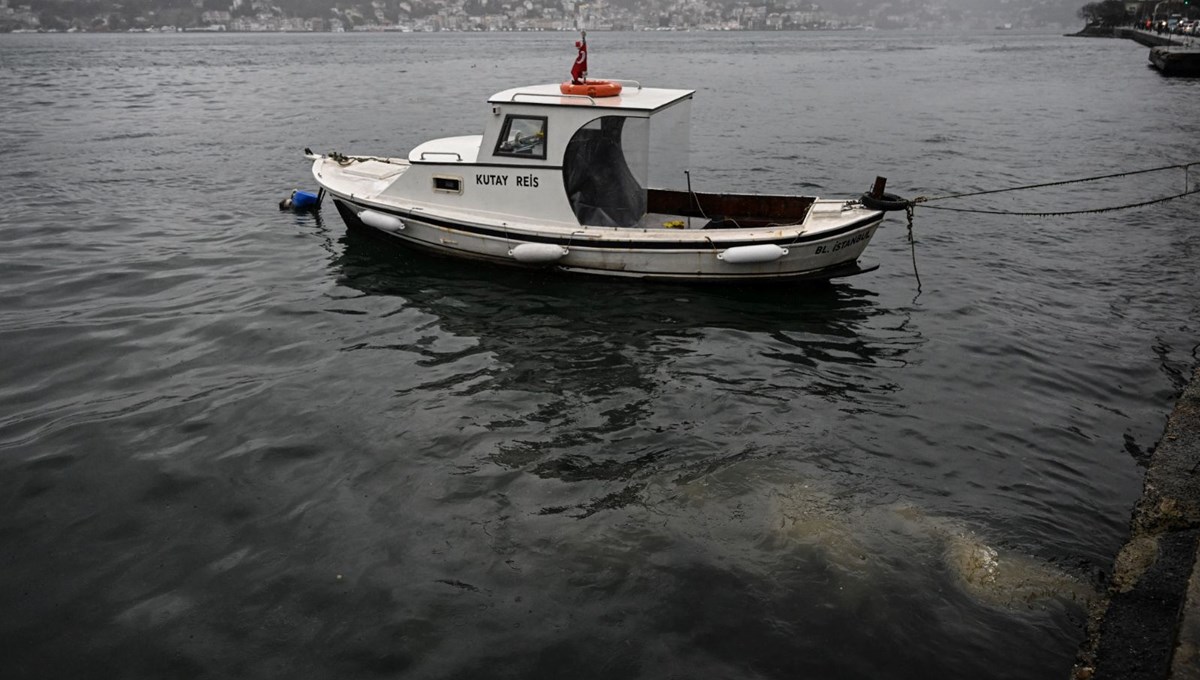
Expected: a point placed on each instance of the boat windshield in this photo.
(523, 136)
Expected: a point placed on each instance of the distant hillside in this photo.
(116, 15)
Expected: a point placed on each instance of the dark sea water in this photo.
(240, 443)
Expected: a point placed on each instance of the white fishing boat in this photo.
(591, 178)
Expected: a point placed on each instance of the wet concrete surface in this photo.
(1148, 624)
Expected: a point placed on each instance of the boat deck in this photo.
(823, 214)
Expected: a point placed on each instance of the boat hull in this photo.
(791, 255)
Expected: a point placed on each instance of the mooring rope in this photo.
(917, 202)
(912, 245)
(343, 160)
(924, 201)
(910, 206)
(1178, 166)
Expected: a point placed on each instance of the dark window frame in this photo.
(507, 127)
(458, 181)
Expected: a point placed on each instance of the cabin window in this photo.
(447, 185)
(523, 137)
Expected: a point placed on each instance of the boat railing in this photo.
(442, 153)
(623, 83)
(591, 102)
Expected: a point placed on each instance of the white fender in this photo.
(767, 252)
(380, 220)
(537, 253)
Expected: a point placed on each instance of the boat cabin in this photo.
(568, 159)
(560, 158)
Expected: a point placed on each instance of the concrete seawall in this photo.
(1147, 626)
(1147, 38)
(1171, 55)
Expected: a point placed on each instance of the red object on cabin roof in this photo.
(579, 68)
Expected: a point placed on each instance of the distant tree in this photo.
(475, 8)
(306, 8)
(52, 21)
(179, 16)
(1107, 13)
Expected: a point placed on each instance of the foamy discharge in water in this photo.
(988, 573)
(873, 547)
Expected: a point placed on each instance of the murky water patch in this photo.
(873, 545)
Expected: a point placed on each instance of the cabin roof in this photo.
(632, 98)
(463, 149)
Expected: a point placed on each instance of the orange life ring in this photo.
(592, 88)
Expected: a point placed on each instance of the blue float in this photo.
(301, 201)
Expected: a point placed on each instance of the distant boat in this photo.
(1004, 27)
(569, 181)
